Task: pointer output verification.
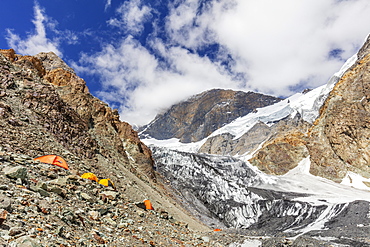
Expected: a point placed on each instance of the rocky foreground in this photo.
(44, 205)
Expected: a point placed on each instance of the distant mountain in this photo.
(298, 168)
(199, 116)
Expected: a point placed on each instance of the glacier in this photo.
(228, 192)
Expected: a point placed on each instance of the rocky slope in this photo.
(43, 205)
(46, 109)
(196, 118)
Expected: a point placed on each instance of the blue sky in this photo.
(142, 56)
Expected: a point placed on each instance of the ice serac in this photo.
(199, 116)
(227, 192)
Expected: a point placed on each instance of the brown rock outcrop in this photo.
(9, 54)
(340, 138)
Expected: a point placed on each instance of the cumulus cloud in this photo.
(276, 44)
(36, 42)
(274, 47)
(141, 85)
(132, 15)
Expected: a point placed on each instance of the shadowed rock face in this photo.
(46, 108)
(197, 117)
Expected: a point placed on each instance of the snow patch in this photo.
(247, 243)
(356, 181)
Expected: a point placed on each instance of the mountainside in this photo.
(45, 108)
(298, 168)
(291, 172)
(196, 118)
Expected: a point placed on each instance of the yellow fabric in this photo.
(106, 182)
(90, 176)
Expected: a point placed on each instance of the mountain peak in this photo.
(197, 117)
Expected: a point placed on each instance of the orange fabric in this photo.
(148, 205)
(53, 160)
(217, 230)
(90, 176)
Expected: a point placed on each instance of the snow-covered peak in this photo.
(306, 104)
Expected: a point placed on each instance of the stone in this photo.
(15, 231)
(94, 215)
(3, 216)
(5, 202)
(25, 241)
(205, 239)
(111, 195)
(86, 196)
(15, 172)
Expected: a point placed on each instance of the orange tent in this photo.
(217, 230)
(90, 176)
(148, 205)
(53, 160)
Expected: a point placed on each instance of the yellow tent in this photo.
(90, 176)
(107, 182)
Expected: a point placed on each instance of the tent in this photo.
(107, 182)
(53, 160)
(91, 176)
(148, 205)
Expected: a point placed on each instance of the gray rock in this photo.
(15, 231)
(5, 202)
(15, 172)
(25, 241)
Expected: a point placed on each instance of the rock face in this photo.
(46, 108)
(197, 117)
(342, 131)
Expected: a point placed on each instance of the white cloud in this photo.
(134, 79)
(283, 43)
(277, 47)
(132, 14)
(108, 4)
(36, 42)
